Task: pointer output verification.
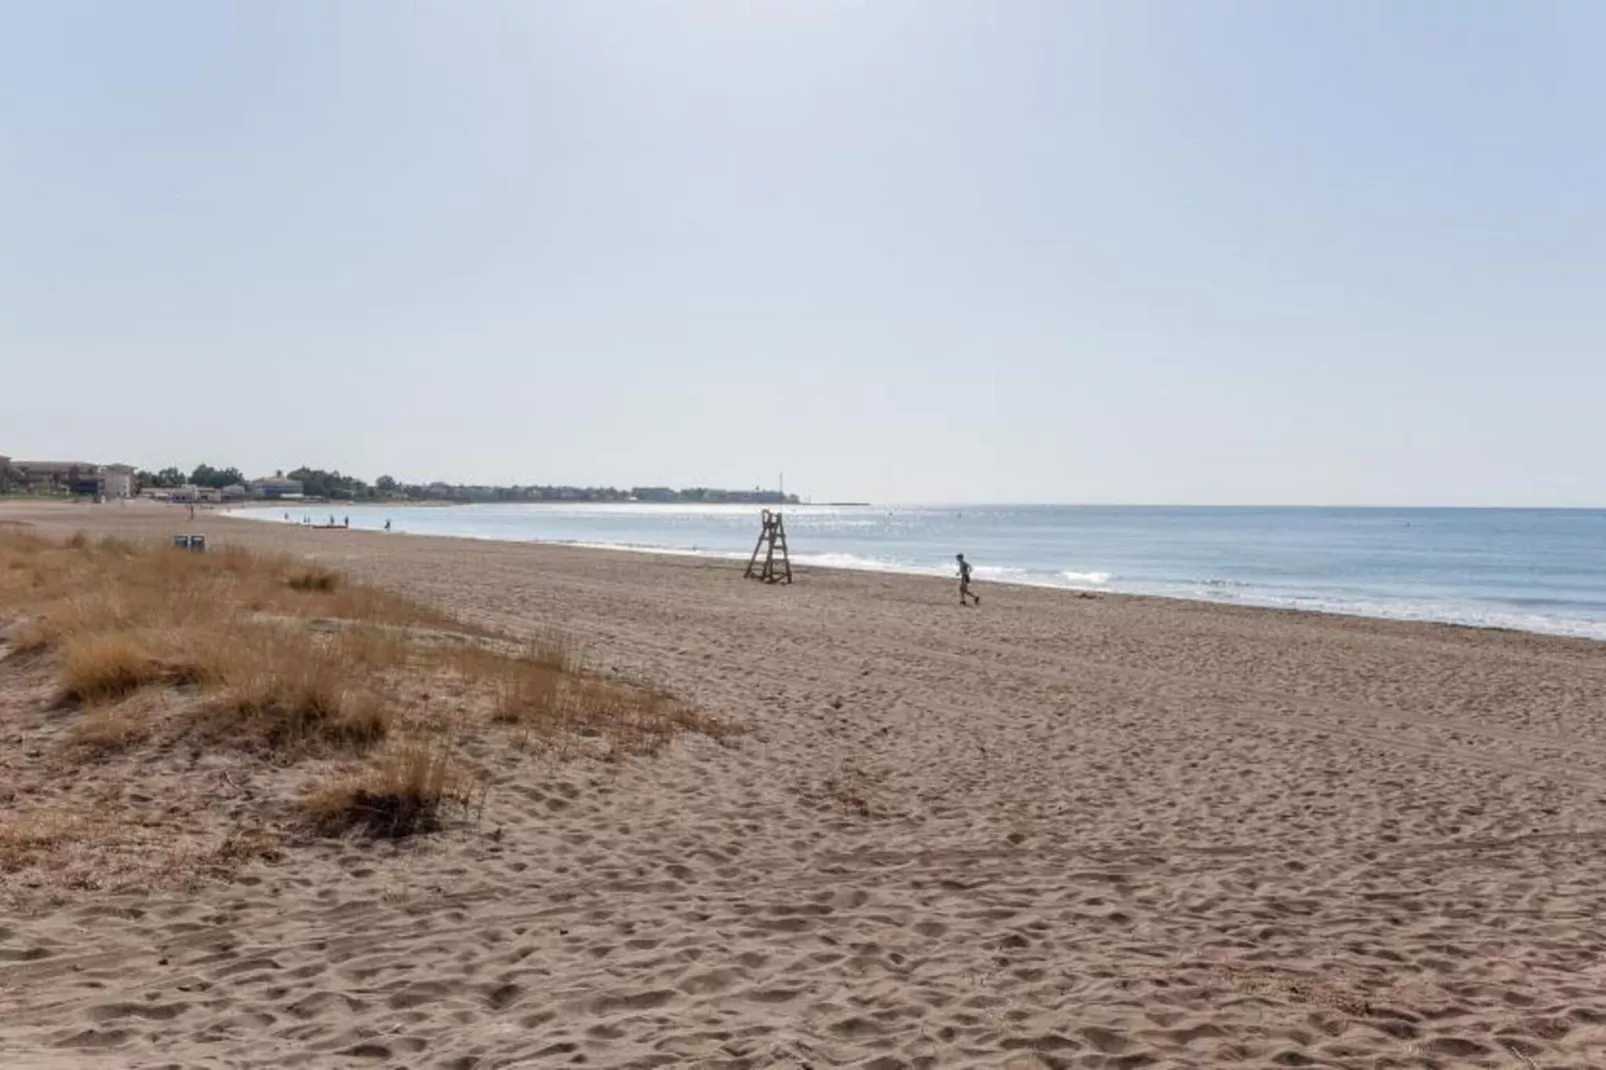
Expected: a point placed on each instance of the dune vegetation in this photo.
(358, 710)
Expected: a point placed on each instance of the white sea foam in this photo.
(858, 563)
(999, 573)
(1097, 579)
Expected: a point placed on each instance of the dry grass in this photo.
(546, 695)
(24, 840)
(407, 790)
(103, 586)
(286, 691)
(557, 651)
(113, 545)
(105, 729)
(120, 618)
(96, 667)
(376, 649)
(248, 845)
(271, 657)
(314, 579)
(526, 689)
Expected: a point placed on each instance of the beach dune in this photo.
(1056, 831)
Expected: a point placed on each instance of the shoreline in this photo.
(1576, 629)
(938, 588)
(838, 580)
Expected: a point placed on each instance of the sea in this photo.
(1537, 570)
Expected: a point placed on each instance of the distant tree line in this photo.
(388, 488)
(318, 483)
(203, 476)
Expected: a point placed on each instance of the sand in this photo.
(1054, 831)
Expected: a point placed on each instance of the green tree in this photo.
(166, 477)
(316, 483)
(207, 476)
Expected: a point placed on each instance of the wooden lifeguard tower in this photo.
(776, 567)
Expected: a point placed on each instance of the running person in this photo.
(964, 582)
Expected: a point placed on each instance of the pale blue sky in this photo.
(994, 251)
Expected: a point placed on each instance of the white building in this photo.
(118, 481)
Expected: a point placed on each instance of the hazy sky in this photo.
(991, 251)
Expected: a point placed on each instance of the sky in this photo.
(994, 251)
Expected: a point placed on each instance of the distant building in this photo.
(275, 487)
(189, 492)
(118, 480)
(74, 477)
(234, 493)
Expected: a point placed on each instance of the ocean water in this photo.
(1528, 569)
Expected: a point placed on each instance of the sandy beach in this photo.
(1054, 831)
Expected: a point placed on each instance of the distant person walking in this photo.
(964, 582)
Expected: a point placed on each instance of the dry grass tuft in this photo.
(248, 845)
(638, 720)
(290, 692)
(107, 729)
(24, 839)
(375, 649)
(526, 689)
(314, 579)
(556, 650)
(406, 791)
(32, 637)
(544, 690)
(119, 547)
(105, 667)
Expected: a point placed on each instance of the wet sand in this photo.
(1052, 831)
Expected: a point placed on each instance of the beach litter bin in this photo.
(195, 543)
